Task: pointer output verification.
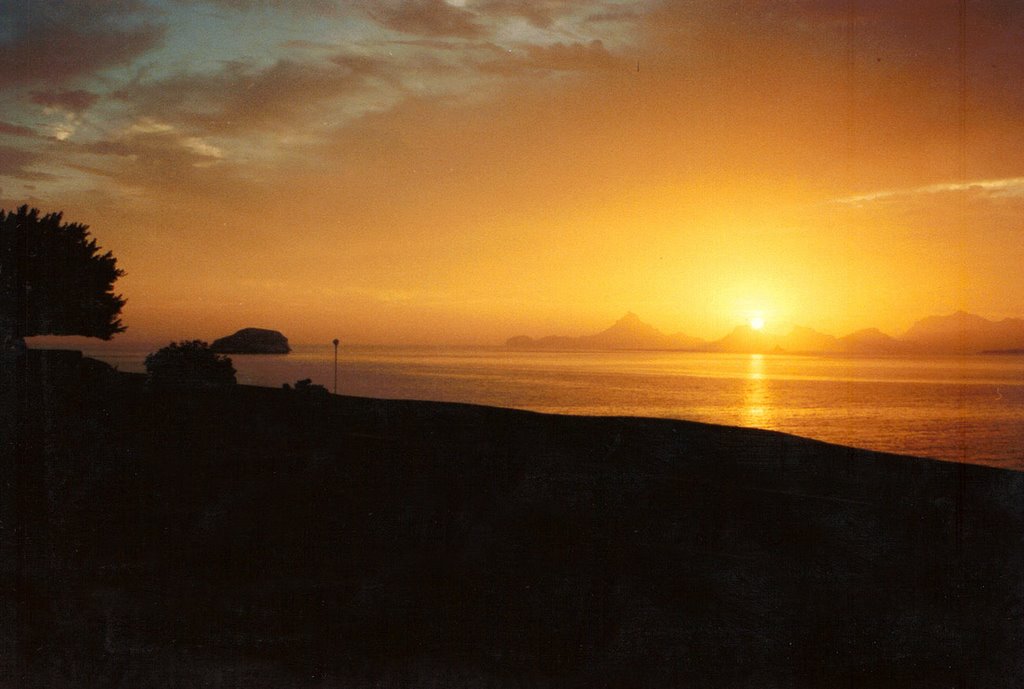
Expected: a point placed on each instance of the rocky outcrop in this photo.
(252, 341)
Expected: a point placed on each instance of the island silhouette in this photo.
(252, 341)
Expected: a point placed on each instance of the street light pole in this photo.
(335, 366)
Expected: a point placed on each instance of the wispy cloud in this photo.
(74, 101)
(558, 57)
(320, 7)
(1009, 187)
(19, 164)
(244, 98)
(428, 18)
(16, 130)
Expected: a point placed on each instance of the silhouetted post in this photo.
(335, 366)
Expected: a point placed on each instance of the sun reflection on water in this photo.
(757, 408)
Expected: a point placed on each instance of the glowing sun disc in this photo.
(757, 322)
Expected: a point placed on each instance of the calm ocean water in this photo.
(957, 408)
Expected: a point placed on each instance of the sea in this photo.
(959, 408)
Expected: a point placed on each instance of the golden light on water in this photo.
(757, 402)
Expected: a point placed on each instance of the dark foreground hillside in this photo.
(253, 538)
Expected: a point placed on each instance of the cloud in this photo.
(993, 188)
(465, 19)
(428, 18)
(15, 162)
(908, 12)
(315, 7)
(242, 98)
(16, 130)
(558, 57)
(73, 101)
(544, 14)
(23, 15)
(620, 15)
(160, 160)
(53, 42)
(537, 12)
(303, 44)
(149, 142)
(64, 52)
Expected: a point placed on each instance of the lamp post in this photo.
(335, 366)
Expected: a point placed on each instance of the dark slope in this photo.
(260, 538)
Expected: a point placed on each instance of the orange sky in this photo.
(390, 171)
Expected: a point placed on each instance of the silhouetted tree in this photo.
(189, 364)
(54, 280)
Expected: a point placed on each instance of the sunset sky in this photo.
(463, 171)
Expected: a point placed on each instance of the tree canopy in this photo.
(54, 280)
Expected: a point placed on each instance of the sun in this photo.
(757, 322)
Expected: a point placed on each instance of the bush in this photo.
(307, 388)
(189, 364)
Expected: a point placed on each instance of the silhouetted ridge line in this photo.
(959, 333)
(629, 332)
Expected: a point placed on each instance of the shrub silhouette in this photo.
(189, 364)
(53, 280)
(307, 389)
(307, 385)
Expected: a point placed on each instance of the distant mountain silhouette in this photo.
(965, 333)
(745, 340)
(959, 333)
(873, 341)
(801, 339)
(629, 332)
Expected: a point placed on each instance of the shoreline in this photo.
(891, 405)
(277, 538)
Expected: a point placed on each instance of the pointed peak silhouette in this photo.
(630, 319)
